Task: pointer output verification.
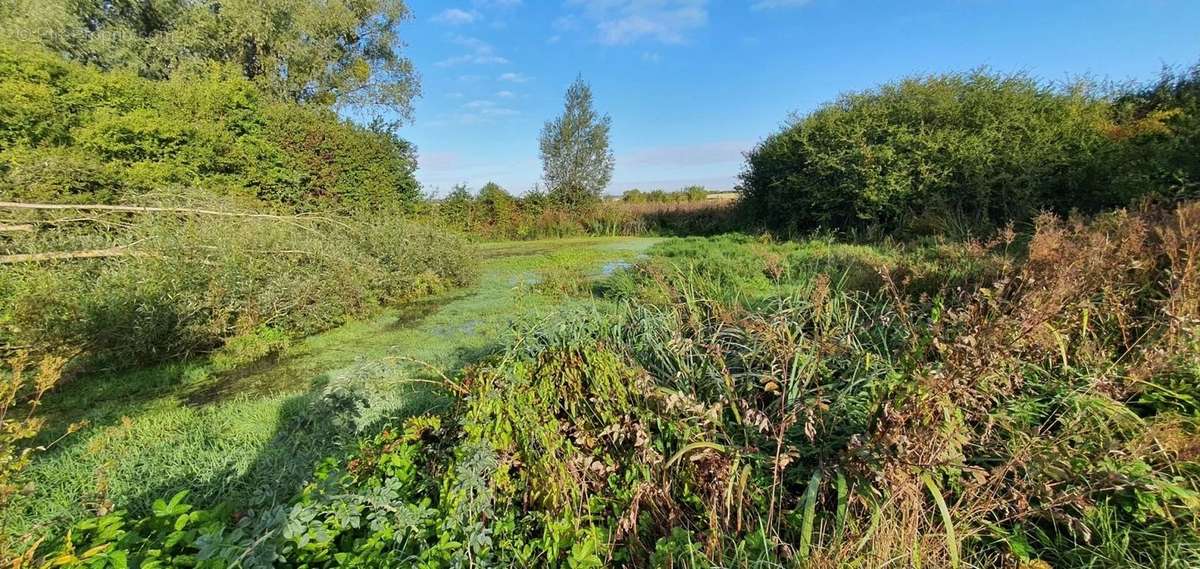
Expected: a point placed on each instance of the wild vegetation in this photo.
(166, 286)
(313, 52)
(179, 210)
(688, 194)
(250, 435)
(974, 150)
(72, 133)
(495, 214)
(756, 409)
(953, 321)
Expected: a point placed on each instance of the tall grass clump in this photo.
(174, 286)
(975, 149)
(738, 268)
(1046, 417)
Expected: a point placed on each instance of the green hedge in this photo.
(977, 148)
(70, 133)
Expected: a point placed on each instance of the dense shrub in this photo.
(345, 52)
(979, 147)
(341, 163)
(193, 284)
(1159, 125)
(72, 133)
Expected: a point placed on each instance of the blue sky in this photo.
(691, 84)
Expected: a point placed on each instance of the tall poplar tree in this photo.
(577, 163)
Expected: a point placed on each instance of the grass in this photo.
(252, 435)
(738, 268)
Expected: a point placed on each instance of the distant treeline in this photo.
(688, 194)
(494, 213)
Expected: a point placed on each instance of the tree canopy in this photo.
(343, 52)
(577, 163)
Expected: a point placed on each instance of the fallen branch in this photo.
(33, 224)
(263, 251)
(21, 227)
(290, 219)
(137, 209)
(69, 255)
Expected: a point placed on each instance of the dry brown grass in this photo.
(1111, 305)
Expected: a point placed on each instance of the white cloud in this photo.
(497, 3)
(772, 4)
(512, 78)
(481, 53)
(651, 56)
(457, 17)
(482, 111)
(506, 94)
(627, 21)
(500, 112)
(472, 58)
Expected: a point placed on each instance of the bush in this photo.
(738, 269)
(688, 194)
(70, 133)
(340, 163)
(1159, 126)
(984, 147)
(60, 174)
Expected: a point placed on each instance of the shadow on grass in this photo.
(215, 452)
(102, 399)
(325, 422)
(257, 379)
(413, 313)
